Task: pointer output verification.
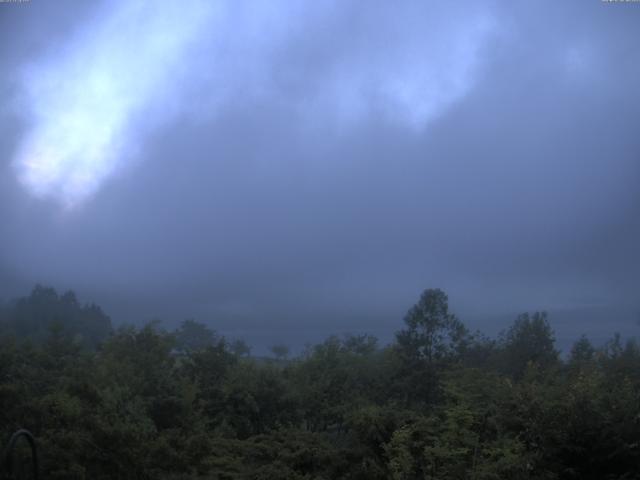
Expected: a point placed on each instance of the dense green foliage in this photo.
(438, 403)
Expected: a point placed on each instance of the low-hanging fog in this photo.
(286, 170)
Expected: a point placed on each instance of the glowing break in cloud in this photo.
(91, 103)
(83, 101)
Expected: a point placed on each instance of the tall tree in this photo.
(433, 337)
(529, 341)
(432, 333)
(194, 336)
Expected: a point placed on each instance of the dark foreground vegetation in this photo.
(439, 403)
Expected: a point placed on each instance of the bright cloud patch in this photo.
(83, 100)
(414, 70)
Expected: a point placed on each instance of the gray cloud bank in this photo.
(319, 164)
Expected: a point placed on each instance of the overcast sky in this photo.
(314, 165)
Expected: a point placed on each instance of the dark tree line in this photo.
(438, 403)
(45, 313)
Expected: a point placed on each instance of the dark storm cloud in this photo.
(326, 163)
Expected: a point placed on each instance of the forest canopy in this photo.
(439, 402)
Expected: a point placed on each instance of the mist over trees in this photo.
(439, 402)
(44, 313)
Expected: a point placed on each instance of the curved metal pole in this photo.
(8, 458)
